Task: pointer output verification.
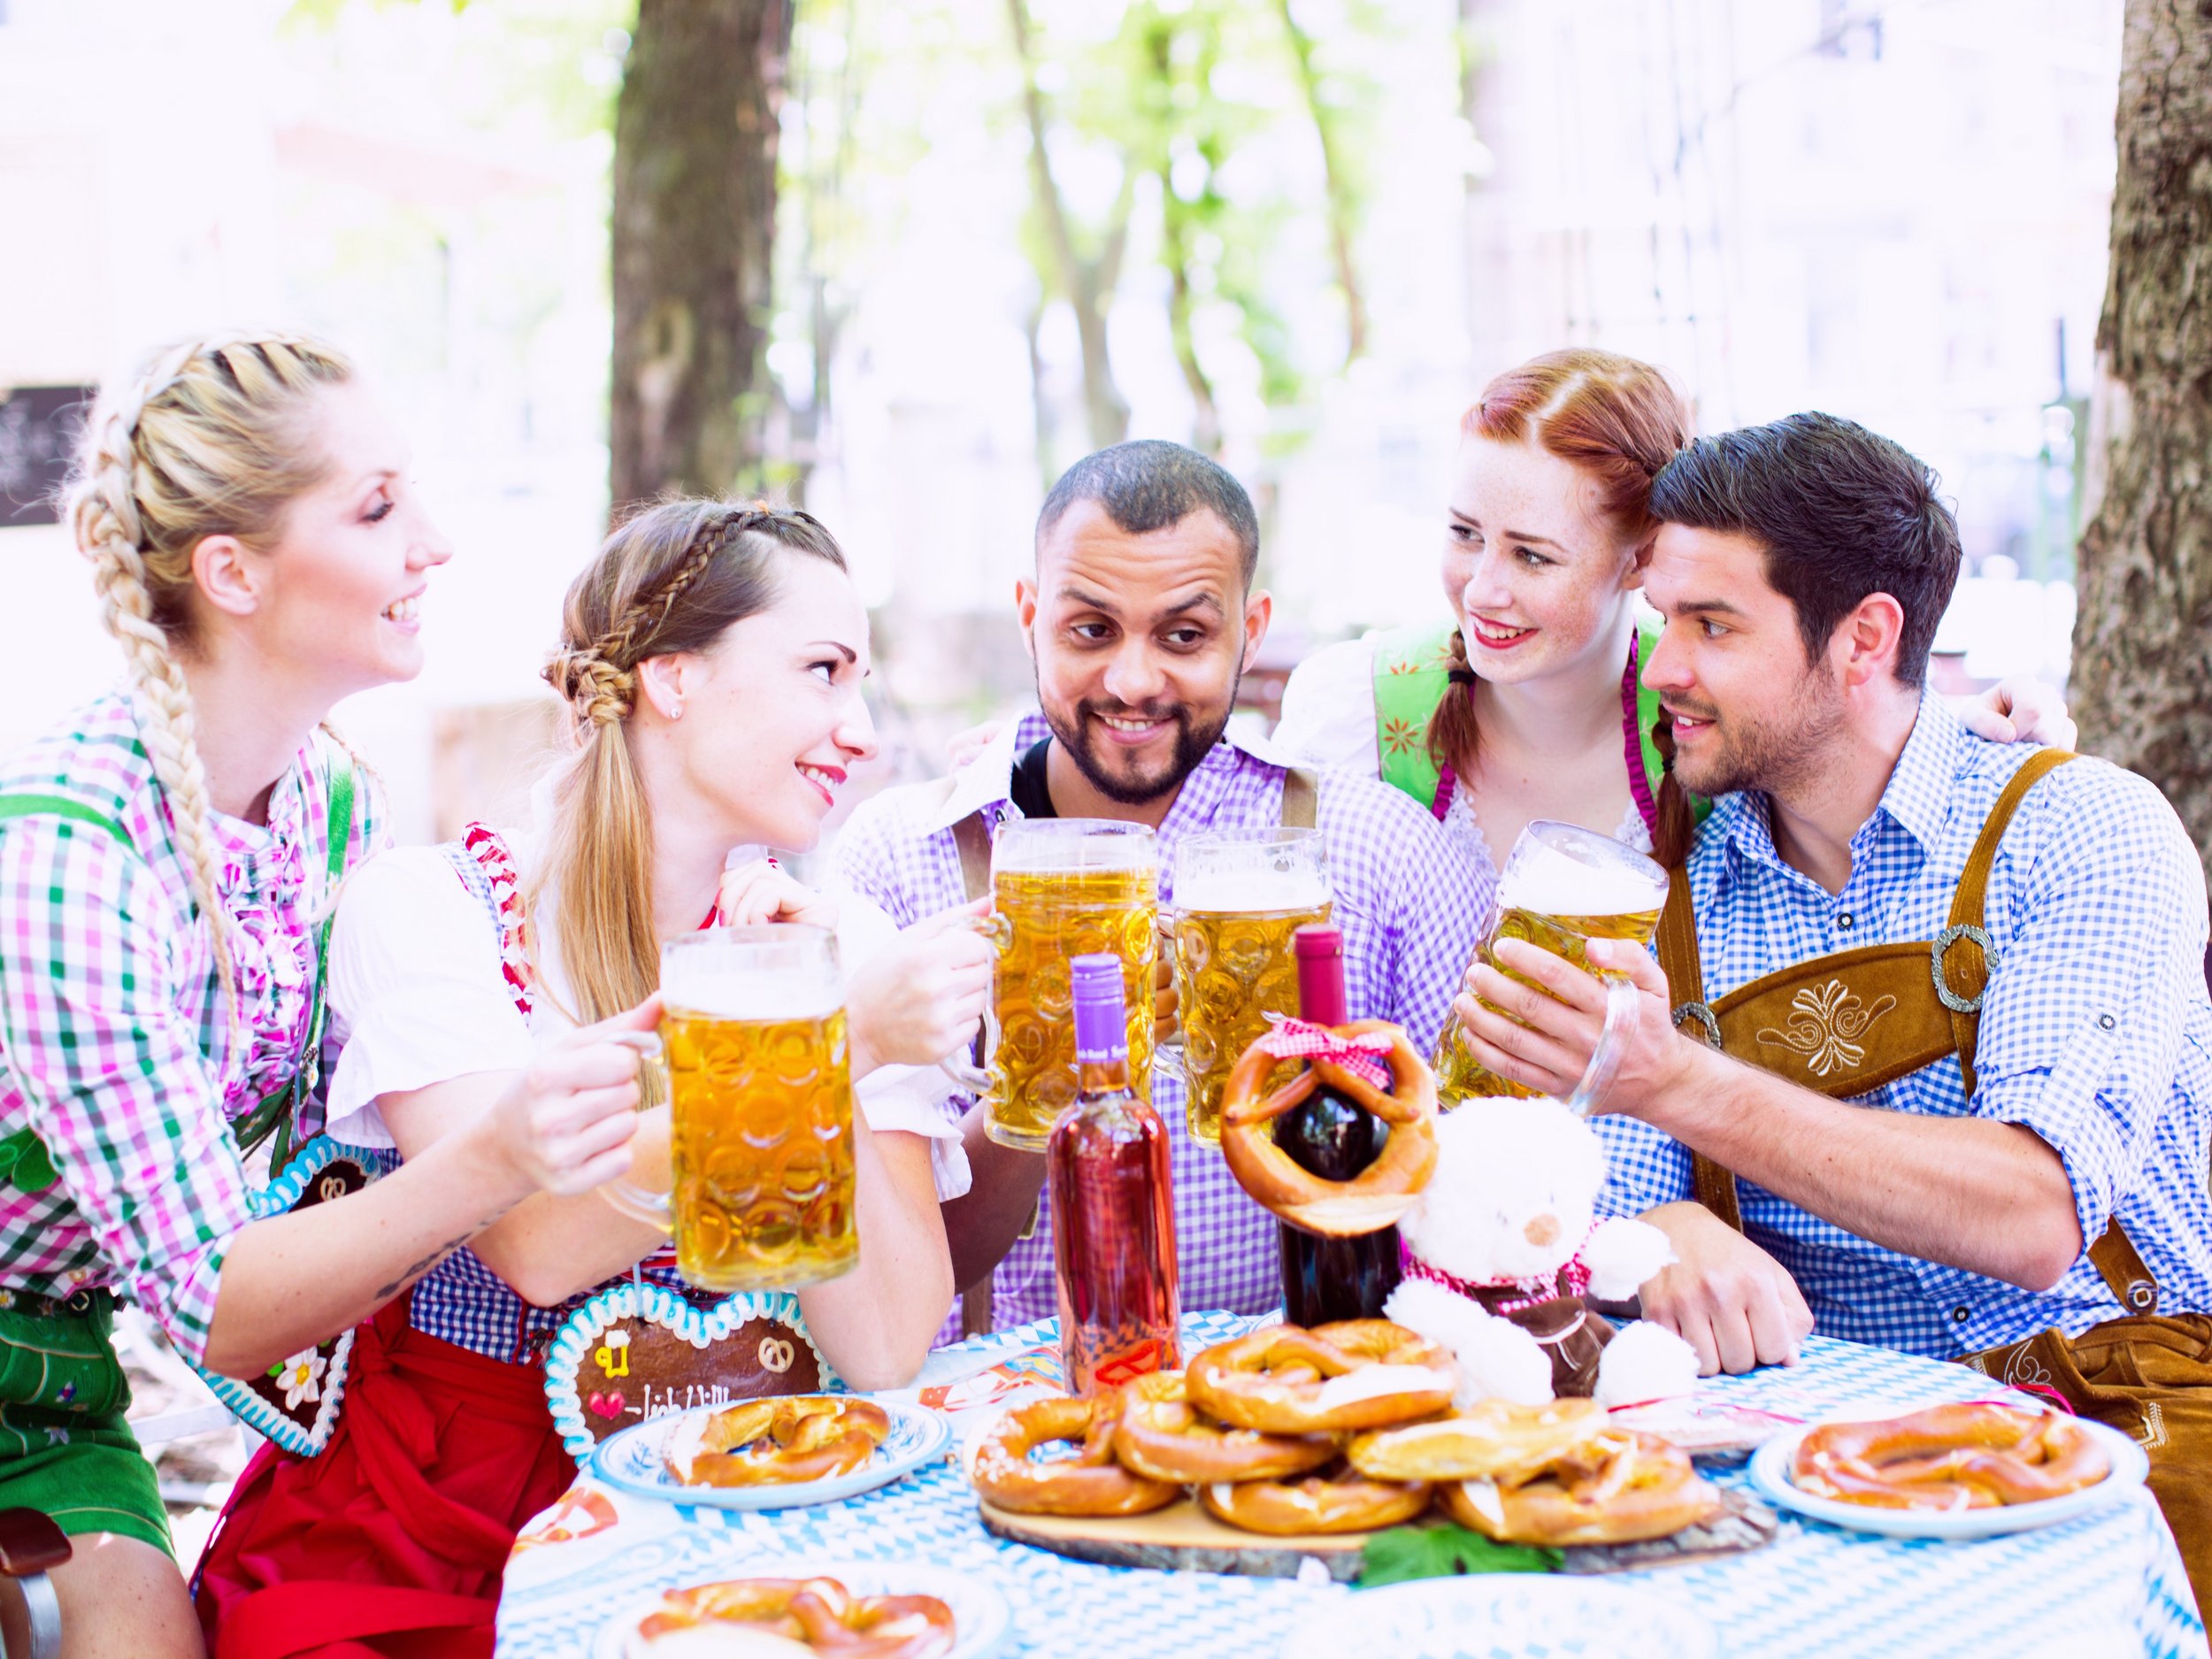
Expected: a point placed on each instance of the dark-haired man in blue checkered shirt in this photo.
(1801, 568)
(1141, 616)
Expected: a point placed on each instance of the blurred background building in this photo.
(1894, 211)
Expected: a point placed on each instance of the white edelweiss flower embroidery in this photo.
(301, 1376)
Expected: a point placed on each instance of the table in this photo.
(2108, 1584)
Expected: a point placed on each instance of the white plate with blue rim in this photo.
(981, 1621)
(1770, 1477)
(634, 1461)
(1503, 1616)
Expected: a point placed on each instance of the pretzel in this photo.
(1379, 1194)
(1089, 1483)
(1950, 1457)
(1339, 1501)
(1492, 1440)
(1161, 1437)
(1617, 1487)
(1355, 1374)
(819, 1614)
(775, 1441)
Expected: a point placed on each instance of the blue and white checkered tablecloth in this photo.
(2110, 1583)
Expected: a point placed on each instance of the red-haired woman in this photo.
(1529, 703)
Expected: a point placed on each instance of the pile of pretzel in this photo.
(1344, 1428)
(800, 1617)
(776, 1442)
(1951, 1457)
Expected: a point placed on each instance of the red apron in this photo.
(390, 1543)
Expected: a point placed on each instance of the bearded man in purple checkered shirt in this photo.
(1801, 568)
(1140, 619)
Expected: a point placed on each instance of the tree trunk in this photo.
(694, 217)
(1336, 182)
(2142, 676)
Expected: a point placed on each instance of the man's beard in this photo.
(1774, 756)
(1193, 744)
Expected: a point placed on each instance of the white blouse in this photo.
(1329, 720)
(417, 997)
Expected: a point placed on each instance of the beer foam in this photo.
(1246, 890)
(725, 995)
(1551, 882)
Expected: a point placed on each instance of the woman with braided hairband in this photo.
(712, 658)
(166, 860)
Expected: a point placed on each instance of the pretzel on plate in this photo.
(778, 1441)
(818, 1615)
(1951, 1457)
(1089, 1483)
(1354, 1374)
(1380, 1194)
(1162, 1436)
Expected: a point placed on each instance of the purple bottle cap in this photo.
(1101, 1032)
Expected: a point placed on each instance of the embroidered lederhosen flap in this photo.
(1845, 1024)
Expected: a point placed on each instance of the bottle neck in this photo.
(1103, 1076)
(1321, 989)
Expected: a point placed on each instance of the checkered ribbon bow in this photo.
(1361, 1056)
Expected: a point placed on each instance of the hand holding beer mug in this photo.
(1239, 895)
(1062, 887)
(752, 1050)
(1562, 886)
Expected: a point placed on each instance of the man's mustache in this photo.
(1684, 711)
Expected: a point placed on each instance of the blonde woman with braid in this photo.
(711, 659)
(165, 858)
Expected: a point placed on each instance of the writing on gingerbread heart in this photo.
(636, 1351)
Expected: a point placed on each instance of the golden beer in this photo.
(1062, 887)
(763, 1140)
(757, 1182)
(1562, 886)
(1238, 897)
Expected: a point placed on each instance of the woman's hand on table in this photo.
(1723, 1295)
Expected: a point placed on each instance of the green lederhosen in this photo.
(65, 1448)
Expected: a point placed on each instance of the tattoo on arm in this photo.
(385, 1292)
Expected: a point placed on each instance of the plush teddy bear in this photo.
(1504, 1245)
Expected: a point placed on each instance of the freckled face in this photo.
(1538, 577)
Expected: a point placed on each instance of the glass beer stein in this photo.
(1562, 886)
(1061, 888)
(1239, 894)
(758, 1188)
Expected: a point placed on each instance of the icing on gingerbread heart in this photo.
(638, 1351)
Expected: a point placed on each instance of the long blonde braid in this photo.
(207, 442)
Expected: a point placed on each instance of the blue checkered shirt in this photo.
(2096, 1030)
(1412, 912)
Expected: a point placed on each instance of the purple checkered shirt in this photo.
(1412, 912)
(114, 1037)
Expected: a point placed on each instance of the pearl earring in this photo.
(675, 711)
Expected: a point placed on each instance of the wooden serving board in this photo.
(1183, 1538)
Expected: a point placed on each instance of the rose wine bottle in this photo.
(1324, 1278)
(1113, 1215)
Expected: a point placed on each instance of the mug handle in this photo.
(1605, 1059)
(655, 1209)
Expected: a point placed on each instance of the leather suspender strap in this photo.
(1713, 1185)
(973, 839)
(1960, 989)
(1301, 795)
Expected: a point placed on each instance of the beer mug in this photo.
(1238, 896)
(751, 1054)
(1562, 886)
(1061, 888)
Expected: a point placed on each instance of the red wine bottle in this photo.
(1113, 1211)
(1325, 1279)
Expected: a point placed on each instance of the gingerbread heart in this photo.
(635, 1351)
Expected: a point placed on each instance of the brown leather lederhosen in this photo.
(1845, 1024)
(972, 836)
